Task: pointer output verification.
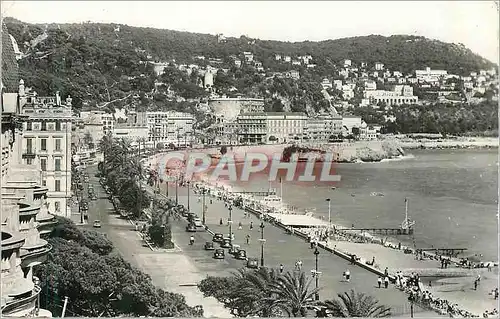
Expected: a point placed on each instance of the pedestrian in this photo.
(211, 201)
(489, 267)
(496, 293)
(475, 284)
(478, 278)
(251, 225)
(300, 264)
(347, 275)
(281, 268)
(221, 222)
(248, 239)
(386, 282)
(386, 272)
(240, 225)
(379, 281)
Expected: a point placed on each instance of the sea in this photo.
(452, 197)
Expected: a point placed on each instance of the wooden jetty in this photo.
(382, 231)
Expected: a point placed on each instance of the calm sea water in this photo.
(453, 197)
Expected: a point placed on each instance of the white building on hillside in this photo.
(430, 76)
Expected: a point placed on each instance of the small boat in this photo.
(333, 188)
(353, 195)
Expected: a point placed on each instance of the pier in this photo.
(383, 231)
(445, 251)
(263, 194)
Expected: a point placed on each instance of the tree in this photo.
(354, 304)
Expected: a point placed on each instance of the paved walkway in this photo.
(168, 270)
(281, 248)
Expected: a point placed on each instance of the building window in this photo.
(29, 146)
(44, 126)
(57, 206)
(29, 126)
(57, 165)
(43, 144)
(43, 164)
(44, 182)
(58, 126)
(57, 185)
(58, 144)
(29, 161)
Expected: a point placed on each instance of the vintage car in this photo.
(97, 224)
(191, 228)
(198, 222)
(242, 255)
(209, 245)
(253, 263)
(225, 243)
(218, 238)
(219, 254)
(233, 250)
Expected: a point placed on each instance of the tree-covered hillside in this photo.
(103, 62)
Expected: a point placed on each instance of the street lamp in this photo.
(230, 222)
(262, 240)
(188, 197)
(316, 273)
(203, 210)
(176, 191)
(329, 213)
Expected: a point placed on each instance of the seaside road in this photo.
(281, 248)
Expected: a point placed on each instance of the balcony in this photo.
(29, 153)
(11, 242)
(36, 254)
(28, 209)
(23, 306)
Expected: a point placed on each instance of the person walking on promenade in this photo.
(386, 272)
(248, 239)
(221, 222)
(496, 293)
(347, 274)
(379, 281)
(281, 268)
(475, 284)
(211, 202)
(386, 282)
(251, 225)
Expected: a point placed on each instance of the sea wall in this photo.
(365, 151)
(462, 142)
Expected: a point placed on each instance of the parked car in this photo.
(198, 222)
(219, 254)
(97, 224)
(191, 228)
(93, 197)
(242, 255)
(225, 243)
(253, 263)
(233, 250)
(218, 238)
(209, 245)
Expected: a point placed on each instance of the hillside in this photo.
(103, 62)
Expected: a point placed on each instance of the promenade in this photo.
(282, 248)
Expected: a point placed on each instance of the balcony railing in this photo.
(29, 153)
(17, 305)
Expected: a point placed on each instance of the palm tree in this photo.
(292, 294)
(352, 304)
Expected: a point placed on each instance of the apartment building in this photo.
(134, 134)
(430, 76)
(47, 144)
(25, 218)
(166, 127)
(401, 94)
(107, 120)
(321, 127)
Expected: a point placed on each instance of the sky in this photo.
(473, 23)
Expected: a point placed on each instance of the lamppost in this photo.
(411, 299)
(329, 213)
(316, 273)
(262, 241)
(203, 210)
(230, 222)
(188, 196)
(176, 191)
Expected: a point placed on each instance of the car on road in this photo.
(198, 222)
(209, 245)
(191, 228)
(241, 255)
(225, 243)
(253, 263)
(233, 250)
(218, 238)
(219, 254)
(97, 224)
(93, 197)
